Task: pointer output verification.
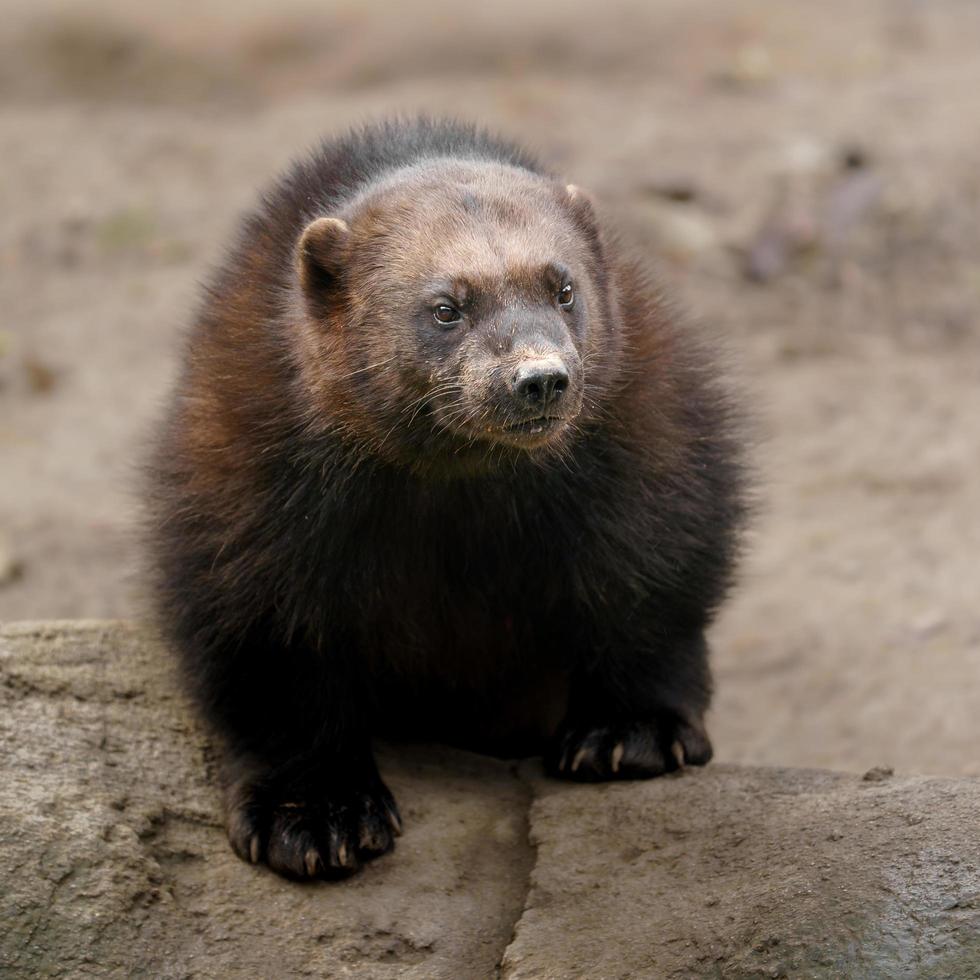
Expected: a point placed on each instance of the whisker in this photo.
(369, 367)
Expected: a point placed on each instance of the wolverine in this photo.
(440, 464)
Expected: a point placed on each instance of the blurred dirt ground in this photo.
(806, 178)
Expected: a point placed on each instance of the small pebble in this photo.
(878, 774)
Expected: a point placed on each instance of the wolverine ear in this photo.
(321, 252)
(584, 210)
(581, 204)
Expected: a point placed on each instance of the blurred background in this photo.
(805, 178)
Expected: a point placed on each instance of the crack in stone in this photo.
(532, 854)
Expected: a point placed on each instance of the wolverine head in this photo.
(456, 310)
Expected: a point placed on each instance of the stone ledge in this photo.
(738, 872)
(113, 861)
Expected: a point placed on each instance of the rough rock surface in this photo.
(732, 872)
(113, 862)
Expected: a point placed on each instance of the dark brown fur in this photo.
(360, 528)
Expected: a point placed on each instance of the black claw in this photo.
(629, 749)
(302, 834)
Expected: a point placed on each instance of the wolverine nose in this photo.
(540, 384)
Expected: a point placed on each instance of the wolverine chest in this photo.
(448, 631)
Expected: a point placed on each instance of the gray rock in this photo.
(731, 872)
(113, 862)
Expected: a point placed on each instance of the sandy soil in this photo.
(806, 178)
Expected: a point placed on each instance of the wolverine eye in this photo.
(446, 314)
(566, 296)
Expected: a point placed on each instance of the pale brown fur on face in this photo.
(485, 233)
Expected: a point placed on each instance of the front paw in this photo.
(628, 749)
(307, 832)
